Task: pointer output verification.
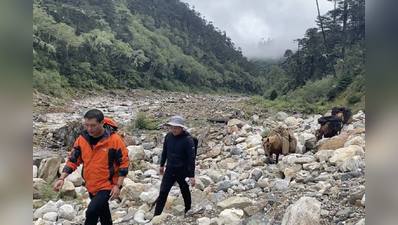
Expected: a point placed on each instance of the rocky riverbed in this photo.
(322, 183)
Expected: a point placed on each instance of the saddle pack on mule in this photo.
(343, 112)
(287, 138)
(340, 115)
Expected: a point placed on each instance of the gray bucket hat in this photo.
(177, 121)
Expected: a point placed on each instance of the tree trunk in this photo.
(324, 38)
(345, 18)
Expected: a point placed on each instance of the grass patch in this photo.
(143, 122)
(265, 134)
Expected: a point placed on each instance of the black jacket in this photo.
(179, 151)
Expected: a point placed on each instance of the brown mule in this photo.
(325, 131)
(272, 145)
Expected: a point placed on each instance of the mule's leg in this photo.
(277, 157)
(270, 157)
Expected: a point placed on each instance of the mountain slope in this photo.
(136, 43)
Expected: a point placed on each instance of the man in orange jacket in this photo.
(106, 163)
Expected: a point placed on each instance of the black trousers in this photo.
(171, 176)
(99, 208)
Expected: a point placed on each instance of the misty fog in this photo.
(251, 22)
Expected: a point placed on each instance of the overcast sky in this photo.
(248, 21)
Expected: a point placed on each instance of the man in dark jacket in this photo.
(179, 152)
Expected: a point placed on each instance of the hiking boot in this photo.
(193, 211)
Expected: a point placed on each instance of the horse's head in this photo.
(319, 134)
(341, 115)
(266, 145)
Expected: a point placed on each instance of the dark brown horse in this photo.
(325, 131)
(330, 126)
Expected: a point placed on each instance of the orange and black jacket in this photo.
(103, 164)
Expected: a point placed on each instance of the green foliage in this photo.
(49, 82)
(98, 45)
(141, 120)
(131, 44)
(273, 95)
(353, 99)
(256, 99)
(264, 134)
(47, 193)
(144, 123)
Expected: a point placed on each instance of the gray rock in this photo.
(148, 146)
(356, 193)
(224, 185)
(69, 189)
(150, 196)
(323, 177)
(38, 185)
(235, 202)
(48, 168)
(150, 172)
(304, 159)
(230, 216)
(235, 151)
(236, 122)
(206, 180)
(34, 171)
(263, 183)
(50, 216)
(302, 176)
(256, 174)
(199, 185)
(49, 207)
(343, 214)
(347, 176)
(309, 140)
(361, 222)
(257, 220)
(279, 184)
(214, 175)
(217, 197)
(139, 217)
(136, 153)
(363, 200)
(311, 166)
(281, 116)
(324, 155)
(203, 221)
(255, 118)
(66, 212)
(306, 211)
(348, 158)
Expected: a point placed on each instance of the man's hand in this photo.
(192, 180)
(58, 185)
(115, 192)
(161, 170)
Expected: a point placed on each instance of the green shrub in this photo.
(264, 134)
(256, 99)
(353, 99)
(142, 122)
(273, 95)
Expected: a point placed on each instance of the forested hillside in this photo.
(166, 44)
(134, 43)
(328, 65)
